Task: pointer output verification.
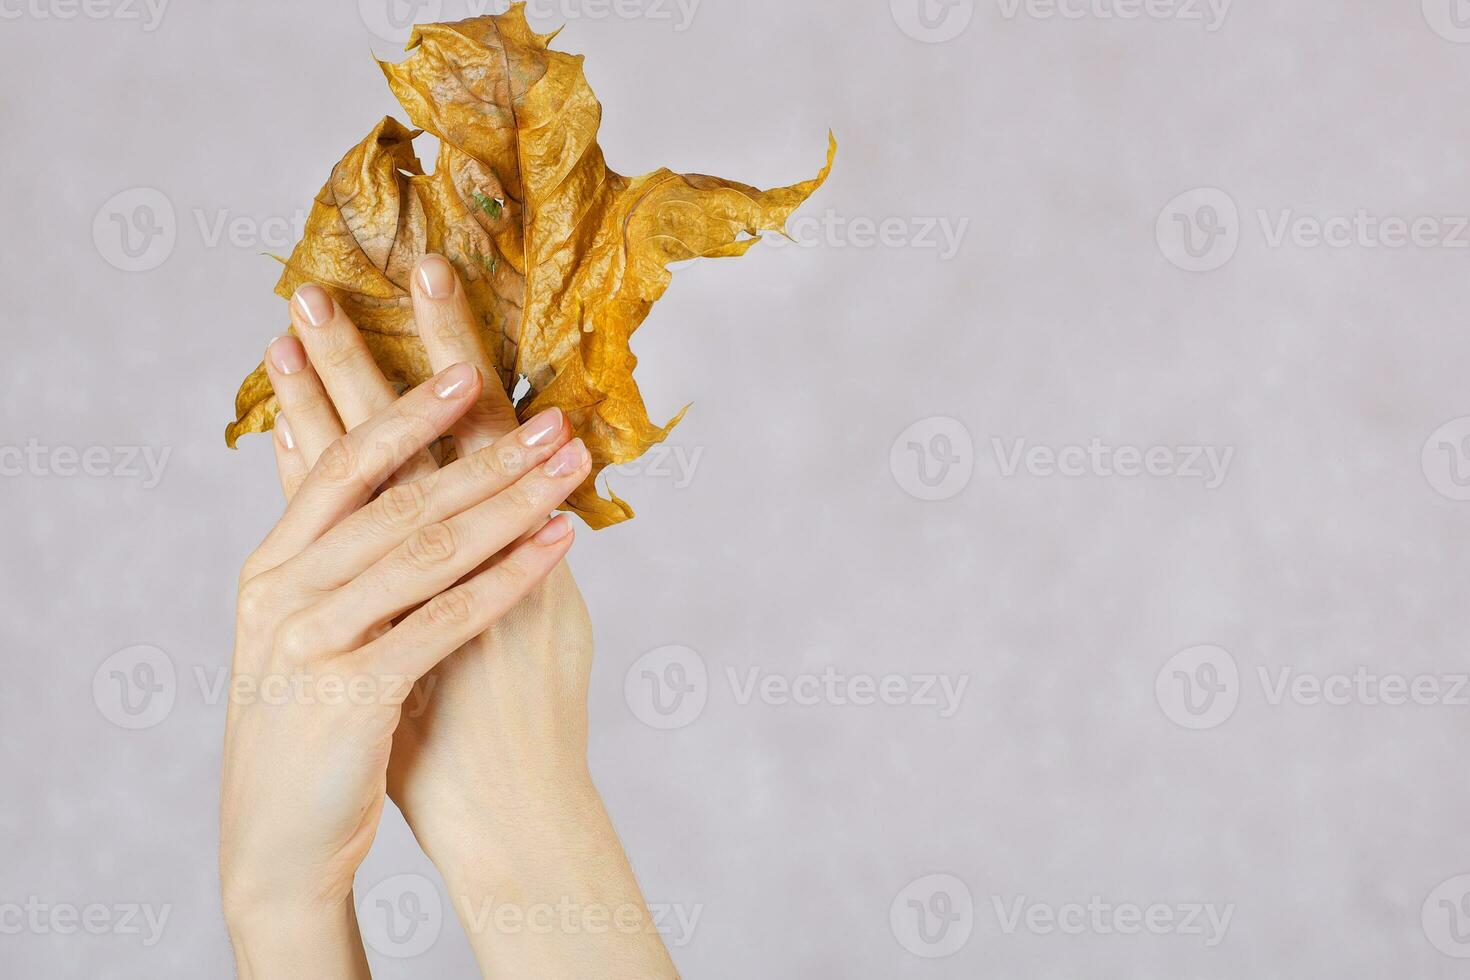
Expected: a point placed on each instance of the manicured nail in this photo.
(559, 527)
(436, 277)
(286, 354)
(314, 303)
(541, 428)
(453, 381)
(568, 459)
(283, 430)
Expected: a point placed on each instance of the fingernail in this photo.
(568, 459)
(541, 428)
(286, 354)
(559, 527)
(283, 430)
(453, 381)
(436, 277)
(314, 303)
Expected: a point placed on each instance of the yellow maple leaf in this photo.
(561, 257)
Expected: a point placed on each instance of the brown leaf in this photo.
(562, 258)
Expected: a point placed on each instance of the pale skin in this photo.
(436, 650)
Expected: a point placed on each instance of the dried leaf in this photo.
(562, 258)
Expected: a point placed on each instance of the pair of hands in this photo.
(413, 631)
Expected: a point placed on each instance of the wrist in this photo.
(251, 897)
(307, 939)
(535, 872)
(508, 831)
(550, 892)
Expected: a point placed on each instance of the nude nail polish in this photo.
(286, 354)
(568, 459)
(283, 431)
(542, 427)
(453, 381)
(314, 304)
(436, 277)
(558, 528)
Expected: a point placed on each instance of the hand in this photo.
(450, 754)
(320, 669)
(492, 773)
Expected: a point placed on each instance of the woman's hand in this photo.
(492, 773)
(351, 599)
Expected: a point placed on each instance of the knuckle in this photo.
(344, 358)
(515, 574)
(446, 329)
(486, 465)
(294, 641)
(338, 462)
(510, 458)
(400, 438)
(403, 506)
(422, 429)
(431, 546)
(255, 596)
(449, 609)
(520, 497)
(254, 567)
(416, 422)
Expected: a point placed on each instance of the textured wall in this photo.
(1100, 425)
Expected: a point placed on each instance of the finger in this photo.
(299, 391)
(453, 618)
(435, 557)
(448, 328)
(353, 468)
(354, 545)
(346, 367)
(290, 466)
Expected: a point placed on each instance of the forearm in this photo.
(554, 896)
(279, 943)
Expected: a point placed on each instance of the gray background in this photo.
(1332, 831)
